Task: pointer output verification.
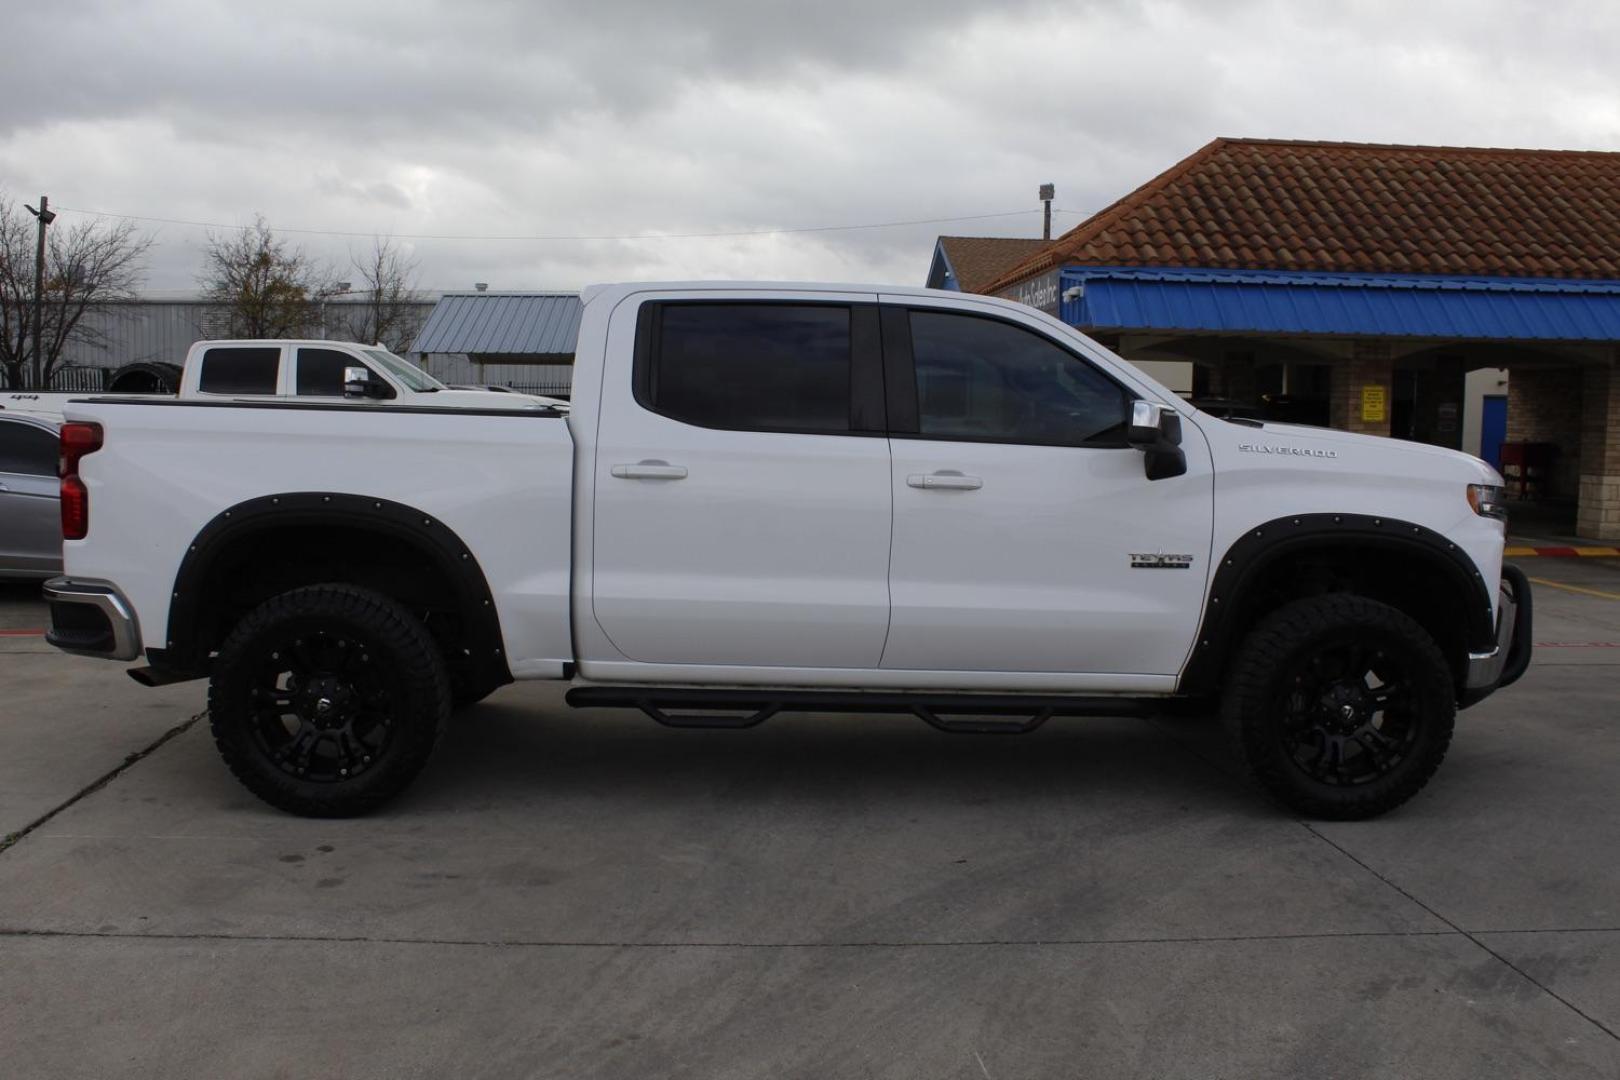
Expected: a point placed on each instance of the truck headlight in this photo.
(1487, 501)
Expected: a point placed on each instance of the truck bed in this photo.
(499, 480)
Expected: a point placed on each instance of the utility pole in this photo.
(327, 292)
(1048, 193)
(46, 216)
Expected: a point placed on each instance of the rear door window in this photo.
(750, 367)
(27, 449)
(239, 370)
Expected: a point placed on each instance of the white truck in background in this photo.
(310, 371)
(768, 497)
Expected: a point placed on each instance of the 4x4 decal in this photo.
(1155, 561)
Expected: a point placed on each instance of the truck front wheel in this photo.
(328, 700)
(1340, 707)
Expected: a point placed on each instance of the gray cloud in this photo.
(633, 117)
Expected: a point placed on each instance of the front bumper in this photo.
(91, 618)
(1503, 665)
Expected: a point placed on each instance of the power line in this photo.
(562, 239)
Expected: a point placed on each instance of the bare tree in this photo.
(88, 266)
(263, 287)
(391, 313)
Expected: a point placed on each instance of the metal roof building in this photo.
(1405, 305)
(503, 327)
(523, 340)
(157, 328)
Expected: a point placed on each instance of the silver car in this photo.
(30, 515)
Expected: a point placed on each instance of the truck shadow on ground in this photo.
(22, 605)
(500, 753)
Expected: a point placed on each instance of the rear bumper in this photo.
(91, 618)
(1503, 665)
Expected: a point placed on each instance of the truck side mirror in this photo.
(358, 382)
(1156, 431)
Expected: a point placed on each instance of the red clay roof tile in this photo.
(979, 259)
(1283, 205)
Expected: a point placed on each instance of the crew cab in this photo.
(307, 371)
(312, 371)
(801, 497)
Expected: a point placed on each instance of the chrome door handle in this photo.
(945, 478)
(650, 470)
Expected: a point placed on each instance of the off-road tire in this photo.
(1277, 657)
(402, 669)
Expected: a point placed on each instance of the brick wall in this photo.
(1369, 365)
(1598, 515)
(1544, 405)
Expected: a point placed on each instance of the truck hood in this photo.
(1329, 439)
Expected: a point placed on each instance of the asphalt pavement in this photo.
(585, 894)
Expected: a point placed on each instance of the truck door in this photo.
(742, 504)
(1027, 537)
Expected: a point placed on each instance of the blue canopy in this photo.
(1395, 305)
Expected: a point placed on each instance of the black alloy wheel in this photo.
(1339, 706)
(326, 701)
(1348, 717)
(321, 709)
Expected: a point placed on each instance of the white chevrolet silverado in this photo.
(801, 497)
(262, 369)
(335, 371)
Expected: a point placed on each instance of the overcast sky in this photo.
(625, 118)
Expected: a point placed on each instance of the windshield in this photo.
(406, 372)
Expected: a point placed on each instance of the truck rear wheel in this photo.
(1340, 707)
(327, 701)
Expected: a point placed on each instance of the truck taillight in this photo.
(78, 439)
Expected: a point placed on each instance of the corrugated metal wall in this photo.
(554, 379)
(162, 330)
(152, 330)
(165, 329)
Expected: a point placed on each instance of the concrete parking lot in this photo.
(570, 894)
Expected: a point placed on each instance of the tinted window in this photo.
(320, 372)
(236, 370)
(25, 448)
(981, 379)
(773, 367)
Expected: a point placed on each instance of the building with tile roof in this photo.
(1370, 286)
(1260, 204)
(969, 263)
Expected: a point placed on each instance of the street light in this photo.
(46, 216)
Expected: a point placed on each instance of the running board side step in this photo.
(957, 714)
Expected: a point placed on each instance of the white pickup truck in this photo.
(308, 371)
(803, 497)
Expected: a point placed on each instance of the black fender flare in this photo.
(1258, 548)
(186, 648)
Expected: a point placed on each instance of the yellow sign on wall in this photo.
(1374, 403)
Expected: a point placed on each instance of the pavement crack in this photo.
(12, 839)
(541, 943)
(1470, 935)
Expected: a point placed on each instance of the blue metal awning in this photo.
(1394, 305)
